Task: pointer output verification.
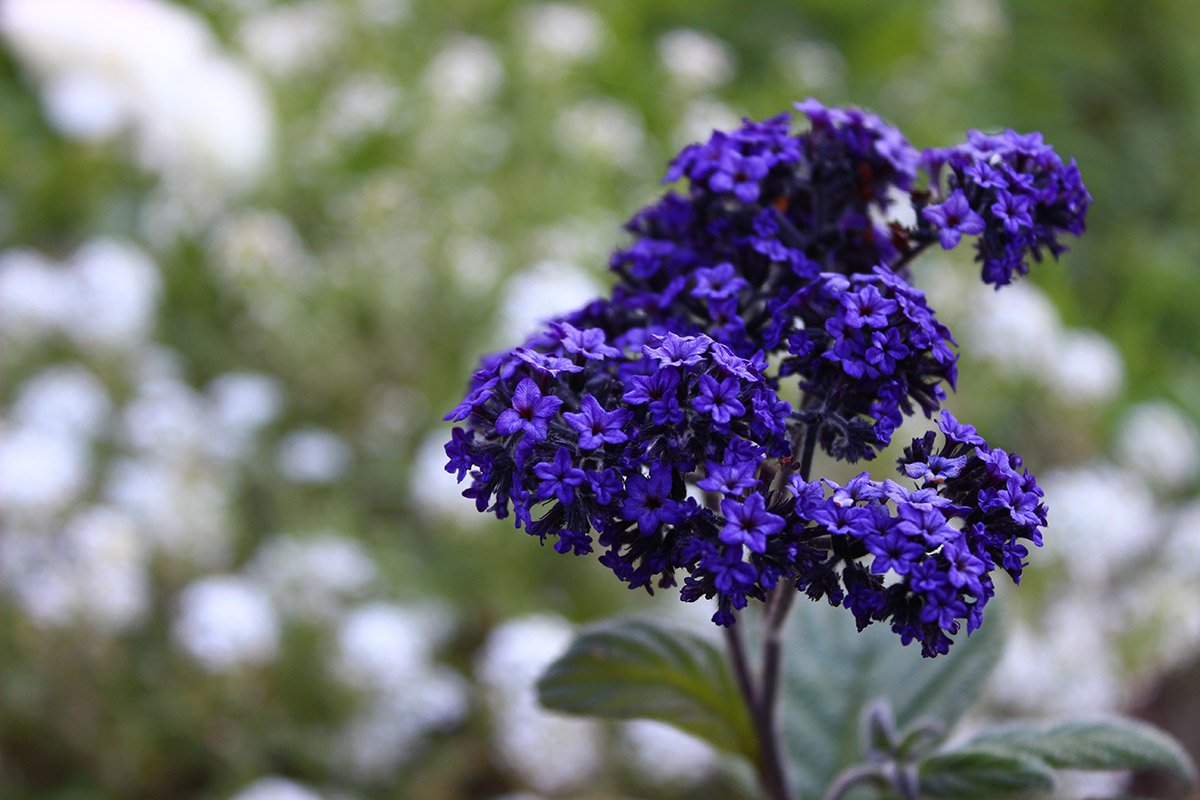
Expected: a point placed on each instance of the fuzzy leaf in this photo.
(983, 774)
(636, 669)
(834, 672)
(1101, 744)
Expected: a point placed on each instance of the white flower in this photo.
(695, 60)
(276, 788)
(41, 471)
(64, 399)
(602, 129)
(239, 405)
(1101, 516)
(464, 74)
(562, 33)
(181, 506)
(312, 576)
(1086, 368)
(701, 117)
(1161, 443)
(313, 455)
(1018, 330)
(289, 38)
(812, 63)
(116, 295)
(166, 418)
(376, 742)
(361, 105)
(509, 664)
(666, 756)
(384, 646)
(150, 66)
(92, 572)
(541, 293)
(35, 295)
(225, 622)
(384, 12)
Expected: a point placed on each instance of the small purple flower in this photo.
(1013, 211)
(589, 343)
(530, 412)
(886, 349)
(954, 217)
(959, 431)
(749, 523)
(597, 426)
(867, 307)
(1021, 505)
(559, 477)
(678, 351)
(546, 363)
(893, 551)
(719, 282)
(458, 451)
(936, 469)
(729, 479)
(924, 523)
(606, 485)
(719, 400)
(738, 174)
(652, 388)
(649, 499)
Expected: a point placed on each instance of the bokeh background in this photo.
(250, 250)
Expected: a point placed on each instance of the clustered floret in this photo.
(650, 424)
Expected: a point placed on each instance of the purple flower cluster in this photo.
(1014, 192)
(922, 557)
(651, 424)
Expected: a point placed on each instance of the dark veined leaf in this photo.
(1103, 744)
(834, 672)
(981, 774)
(637, 669)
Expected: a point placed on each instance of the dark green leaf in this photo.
(1104, 744)
(983, 774)
(635, 669)
(834, 672)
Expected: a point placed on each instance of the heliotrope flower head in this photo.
(654, 425)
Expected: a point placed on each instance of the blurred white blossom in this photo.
(507, 667)
(386, 652)
(313, 576)
(696, 61)
(1157, 440)
(464, 74)
(661, 755)
(288, 38)
(812, 64)
(225, 622)
(1086, 368)
(603, 129)
(1102, 515)
(540, 293)
(560, 33)
(41, 471)
(276, 788)
(35, 295)
(150, 66)
(93, 571)
(313, 455)
(701, 117)
(67, 399)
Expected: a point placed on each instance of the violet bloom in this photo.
(597, 426)
(530, 412)
(589, 343)
(894, 551)
(729, 479)
(1013, 211)
(719, 400)
(678, 351)
(749, 523)
(953, 218)
(559, 477)
(649, 499)
(738, 174)
(867, 307)
(719, 282)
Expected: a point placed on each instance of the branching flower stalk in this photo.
(777, 273)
